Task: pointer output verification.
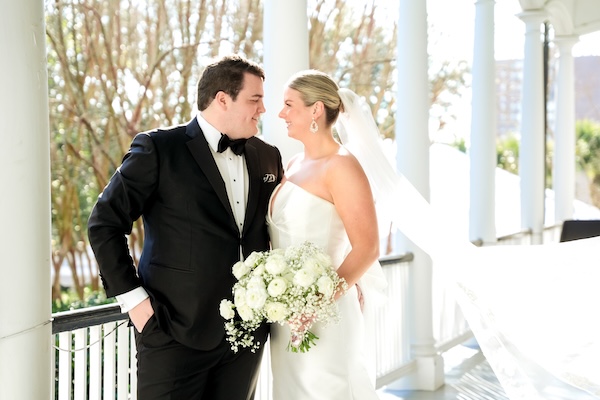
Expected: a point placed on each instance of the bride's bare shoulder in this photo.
(343, 164)
(343, 158)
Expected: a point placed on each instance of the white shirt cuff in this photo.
(129, 300)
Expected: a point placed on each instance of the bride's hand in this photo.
(361, 299)
(302, 324)
(299, 327)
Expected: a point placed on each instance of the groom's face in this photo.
(244, 113)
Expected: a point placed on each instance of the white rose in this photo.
(289, 275)
(256, 297)
(259, 270)
(245, 312)
(325, 286)
(323, 259)
(226, 309)
(313, 266)
(277, 287)
(255, 282)
(252, 259)
(239, 297)
(279, 252)
(289, 252)
(276, 264)
(276, 312)
(304, 278)
(240, 269)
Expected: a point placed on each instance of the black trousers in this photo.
(168, 370)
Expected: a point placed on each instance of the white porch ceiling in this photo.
(568, 17)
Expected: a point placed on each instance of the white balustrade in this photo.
(98, 362)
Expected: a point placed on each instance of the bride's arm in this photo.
(353, 201)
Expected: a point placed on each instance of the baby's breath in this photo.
(300, 296)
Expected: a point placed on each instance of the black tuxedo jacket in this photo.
(170, 179)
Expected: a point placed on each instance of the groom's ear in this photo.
(221, 99)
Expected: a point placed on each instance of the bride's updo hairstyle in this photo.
(316, 86)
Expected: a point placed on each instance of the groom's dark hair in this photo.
(227, 75)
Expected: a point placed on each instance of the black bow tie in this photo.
(237, 145)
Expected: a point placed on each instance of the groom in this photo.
(202, 190)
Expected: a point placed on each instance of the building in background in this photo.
(509, 85)
(587, 88)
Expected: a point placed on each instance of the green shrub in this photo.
(70, 301)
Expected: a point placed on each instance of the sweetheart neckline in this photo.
(277, 190)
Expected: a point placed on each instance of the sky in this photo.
(452, 39)
(457, 40)
(453, 29)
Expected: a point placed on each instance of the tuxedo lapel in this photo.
(254, 187)
(200, 150)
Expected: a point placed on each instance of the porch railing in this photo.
(94, 354)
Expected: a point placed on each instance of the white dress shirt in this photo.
(235, 175)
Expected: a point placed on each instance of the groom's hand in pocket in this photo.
(141, 314)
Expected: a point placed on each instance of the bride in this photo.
(325, 198)
(531, 308)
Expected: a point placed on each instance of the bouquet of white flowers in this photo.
(294, 285)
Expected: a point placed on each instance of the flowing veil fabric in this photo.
(533, 309)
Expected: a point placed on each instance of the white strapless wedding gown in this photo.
(336, 367)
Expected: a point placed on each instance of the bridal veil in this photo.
(532, 309)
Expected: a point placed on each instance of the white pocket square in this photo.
(269, 178)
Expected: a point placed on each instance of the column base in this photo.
(429, 375)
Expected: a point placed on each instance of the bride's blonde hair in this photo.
(316, 86)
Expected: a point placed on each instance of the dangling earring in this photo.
(313, 126)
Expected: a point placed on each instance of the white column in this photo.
(412, 140)
(482, 150)
(25, 306)
(285, 53)
(531, 152)
(563, 170)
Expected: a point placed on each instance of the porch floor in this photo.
(468, 376)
